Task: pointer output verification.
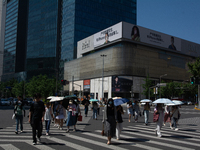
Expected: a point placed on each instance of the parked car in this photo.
(29, 101)
(184, 102)
(189, 103)
(14, 101)
(5, 102)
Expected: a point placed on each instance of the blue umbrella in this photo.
(118, 101)
(93, 100)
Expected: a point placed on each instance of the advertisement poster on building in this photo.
(121, 83)
(141, 34)
(86, 85)
(110, 34)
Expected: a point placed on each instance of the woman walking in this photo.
(129, 110)
(109, 118)
(136, 108)
(18, 110)
(159, 110)
(71, 112)
(119, 121)
(47, 117)
(60, 110)
(167, 117)
(146, 113)
(94, 107)
(175, 115)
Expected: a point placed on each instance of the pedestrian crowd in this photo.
(112, 116)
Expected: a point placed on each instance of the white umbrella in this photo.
(145, 101)
(50, 97)
(177, 102)
(163, 101)
(54, 99)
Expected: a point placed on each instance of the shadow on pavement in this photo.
(135, 140)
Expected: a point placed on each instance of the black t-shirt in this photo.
(37, 109)
(119, 115)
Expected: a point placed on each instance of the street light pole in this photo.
(103, 75)
(160, 82)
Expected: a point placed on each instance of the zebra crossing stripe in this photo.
(95, 142)
(163, 139)
(8, 147)
(168, 131)
(69, 144)
(161, 144)
(39, 146)
(122, 141)
(153, 142)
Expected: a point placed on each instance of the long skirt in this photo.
(71, 120)
(167, 117)
(110, 126)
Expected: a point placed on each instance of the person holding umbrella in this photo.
(146, 113)
(159, 110)
(119, 121)
(71, 119)
(109, 119)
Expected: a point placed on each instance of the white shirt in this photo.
(47, 115)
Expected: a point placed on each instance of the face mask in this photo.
(110, 102)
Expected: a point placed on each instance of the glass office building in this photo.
(15, 39)
(53, 29)
(82, 18)
(43, 38)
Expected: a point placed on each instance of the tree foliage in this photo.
(37, 84)
(146, 86)
(194, 67)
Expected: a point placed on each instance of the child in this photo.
(47, 118)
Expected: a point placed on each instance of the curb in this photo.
(196, 108)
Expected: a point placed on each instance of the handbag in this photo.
(13, 116)
(79, 118)
(155, 117)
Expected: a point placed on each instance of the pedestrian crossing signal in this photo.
(192, 80)
(64, 82)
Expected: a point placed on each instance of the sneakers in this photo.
(74, 129)
(16, 132)
(176, 129)
(171, 127)
(21, 131)
(61, 128)
(47, 133)
(164, 124)
(67, 130)
(34, 143)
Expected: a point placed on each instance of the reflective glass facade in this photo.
(42, 36)
(82, 18)
(10, 37)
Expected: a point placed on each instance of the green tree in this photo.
(18, 89)
(146, 86)
(172, 89)
(41, 84)
(194, 67)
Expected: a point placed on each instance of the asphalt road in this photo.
(134, 135)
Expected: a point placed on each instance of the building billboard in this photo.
(108, 35)
(85, 46)
(121, 83)
(140, 34)
(86, 85)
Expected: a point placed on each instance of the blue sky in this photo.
(179, 18)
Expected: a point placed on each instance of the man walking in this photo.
(36, 116)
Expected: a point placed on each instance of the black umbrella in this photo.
(66, 99)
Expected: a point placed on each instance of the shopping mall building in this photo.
(122, 56)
